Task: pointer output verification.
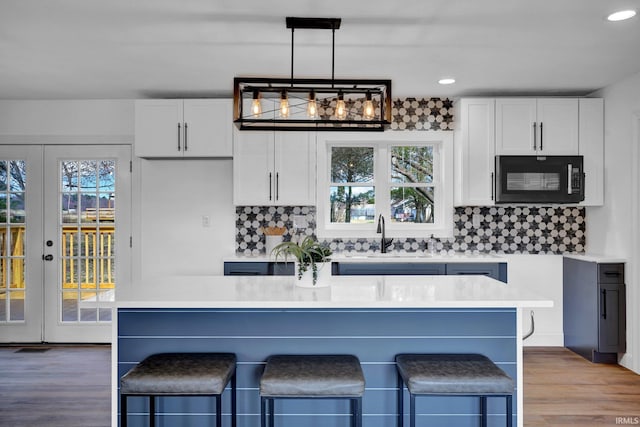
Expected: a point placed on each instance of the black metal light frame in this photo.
(298, 90)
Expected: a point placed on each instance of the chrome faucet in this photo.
(384, 243)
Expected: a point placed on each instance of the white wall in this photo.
(174, 195)
(613, 228)
(66, 122)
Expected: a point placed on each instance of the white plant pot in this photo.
(323, 279)
(271, 242)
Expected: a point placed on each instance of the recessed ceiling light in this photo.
(621, 15)
(447, 81)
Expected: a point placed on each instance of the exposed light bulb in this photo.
(256, 105)
(368, 111)
(312, 106)
(284, 105)
(341, 108)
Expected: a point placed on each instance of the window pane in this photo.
(412, 204)
(412, 165)
(351, 164)
(354, 205)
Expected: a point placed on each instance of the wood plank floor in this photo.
(70, 387)
(563, 389)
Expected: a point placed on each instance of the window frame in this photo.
(382, 142)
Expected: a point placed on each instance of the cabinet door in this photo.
(295, 168)
(474, 269)
(608, 323)
(592, 149)
(208, 128)
(515, 120)
(557, 126)
(475, 152)
(158, 128)
(253, 172)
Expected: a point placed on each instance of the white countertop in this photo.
(391, 257)
(344, 292)
(589, 257)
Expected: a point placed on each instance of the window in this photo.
(404, 176)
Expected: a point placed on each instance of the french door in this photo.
(65, 240)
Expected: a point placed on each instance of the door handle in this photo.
(492, 186)
(277, 185)
(541, 135)
(535, 136)
(270, 185)
(604, 304)
(47, 257)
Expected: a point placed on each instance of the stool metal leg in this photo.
(234, 408)
(123, 410)
(400, 401)
(218, 398)
(412, 409)
(152, 411)
(509, 411)
(483, 411)
(272, 405)
(263, 412)
(356, 412)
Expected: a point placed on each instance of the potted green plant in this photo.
(309, 254)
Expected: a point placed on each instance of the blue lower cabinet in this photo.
(258, 268)
(497, 271)
(400, 269)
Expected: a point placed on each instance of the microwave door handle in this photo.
(570, 170)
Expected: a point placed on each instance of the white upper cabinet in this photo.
(474, 143)
(274, 168)
(543, 126)
(592, 149)
(174, 128)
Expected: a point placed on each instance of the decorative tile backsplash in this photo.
(422, 114)
(500, 230)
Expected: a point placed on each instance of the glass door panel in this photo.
(89, 182)
(20, 222)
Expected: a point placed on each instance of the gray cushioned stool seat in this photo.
(181, 374)
(452, 373)
(311, 377)
(322, 375)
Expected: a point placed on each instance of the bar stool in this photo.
(181, 374)
(451, 375)
(311, 377)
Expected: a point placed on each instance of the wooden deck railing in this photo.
(87, 261)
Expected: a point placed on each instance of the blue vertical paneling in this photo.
(375, 336)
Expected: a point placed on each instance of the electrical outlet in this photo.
(477, 218)
(206, 221)
(300, 221)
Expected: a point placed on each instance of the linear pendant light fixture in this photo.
(264, 103)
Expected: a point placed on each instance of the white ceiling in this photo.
(77, 49)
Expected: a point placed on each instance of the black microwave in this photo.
(539, 179)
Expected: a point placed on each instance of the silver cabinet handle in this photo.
(270, 186)
(185, 136)
(277, 185)
(541, 136)
(179, 131)
(535, 136)
(569, 173)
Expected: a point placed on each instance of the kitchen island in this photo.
(372, 317)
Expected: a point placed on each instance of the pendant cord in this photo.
(292, 29)
(333, 54)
